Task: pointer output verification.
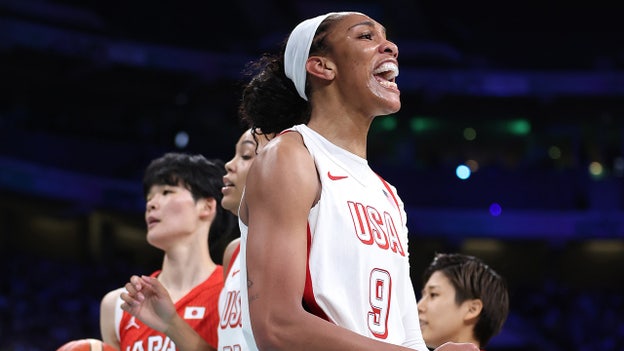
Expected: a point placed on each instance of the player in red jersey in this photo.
(183, 207)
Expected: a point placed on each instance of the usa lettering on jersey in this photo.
(231, 317)
(372, 227)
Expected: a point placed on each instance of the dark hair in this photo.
(270, 101)
(473, 279)
(204, 179)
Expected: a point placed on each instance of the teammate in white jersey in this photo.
(324, 238)
(149, 301)
(230, 326)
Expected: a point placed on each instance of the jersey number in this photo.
(379, 297)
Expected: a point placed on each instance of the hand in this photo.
(453, 346)
(148, 300)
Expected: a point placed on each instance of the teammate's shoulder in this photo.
(229, 250)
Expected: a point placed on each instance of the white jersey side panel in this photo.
(230, 326)
(247, 331)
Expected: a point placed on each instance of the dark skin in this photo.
(283, 185)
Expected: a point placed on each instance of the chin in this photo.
(396, 103)
(391, 104)
(392, 108)
(227, 206)
(396, 108)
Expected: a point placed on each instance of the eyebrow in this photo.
(431, 287)
(368, 24)
(248, 142)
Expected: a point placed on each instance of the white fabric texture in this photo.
(298, 50)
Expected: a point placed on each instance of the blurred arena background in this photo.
(509, 146)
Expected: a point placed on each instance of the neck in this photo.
(186, 266)
(342, 130)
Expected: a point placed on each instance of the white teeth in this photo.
(387, 84)
(390, 69)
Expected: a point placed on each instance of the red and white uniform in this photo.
(198, 308)
(358, 258)
(230, 326)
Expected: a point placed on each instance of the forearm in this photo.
(185, 337)
(309, 333)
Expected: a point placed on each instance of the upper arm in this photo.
(282, 186)
(108, 306)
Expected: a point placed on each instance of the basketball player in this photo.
(183, 194)
(150, 302)
(463, 300)
(323, 238)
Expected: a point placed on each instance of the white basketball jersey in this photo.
(358, 258)
(230, 326)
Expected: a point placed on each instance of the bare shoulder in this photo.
(284, 168)
(284, 160)
(285, 145)
(227, 254)
(229, 249)
(107, 310)
(286, 153)
(110, 299)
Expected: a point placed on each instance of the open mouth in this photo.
(386, 73)
(227, 183)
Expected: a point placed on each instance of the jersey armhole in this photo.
(234, 255)
(118, 314)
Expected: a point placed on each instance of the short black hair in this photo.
(204, 179)
(473, 279)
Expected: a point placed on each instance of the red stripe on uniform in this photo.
(309, 302)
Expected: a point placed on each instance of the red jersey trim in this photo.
(234, 255)
(309, 302)
(393, 196)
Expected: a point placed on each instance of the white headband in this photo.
(298, 50)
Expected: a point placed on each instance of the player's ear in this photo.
(321, 67)
(208, 208)
(475, 306)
